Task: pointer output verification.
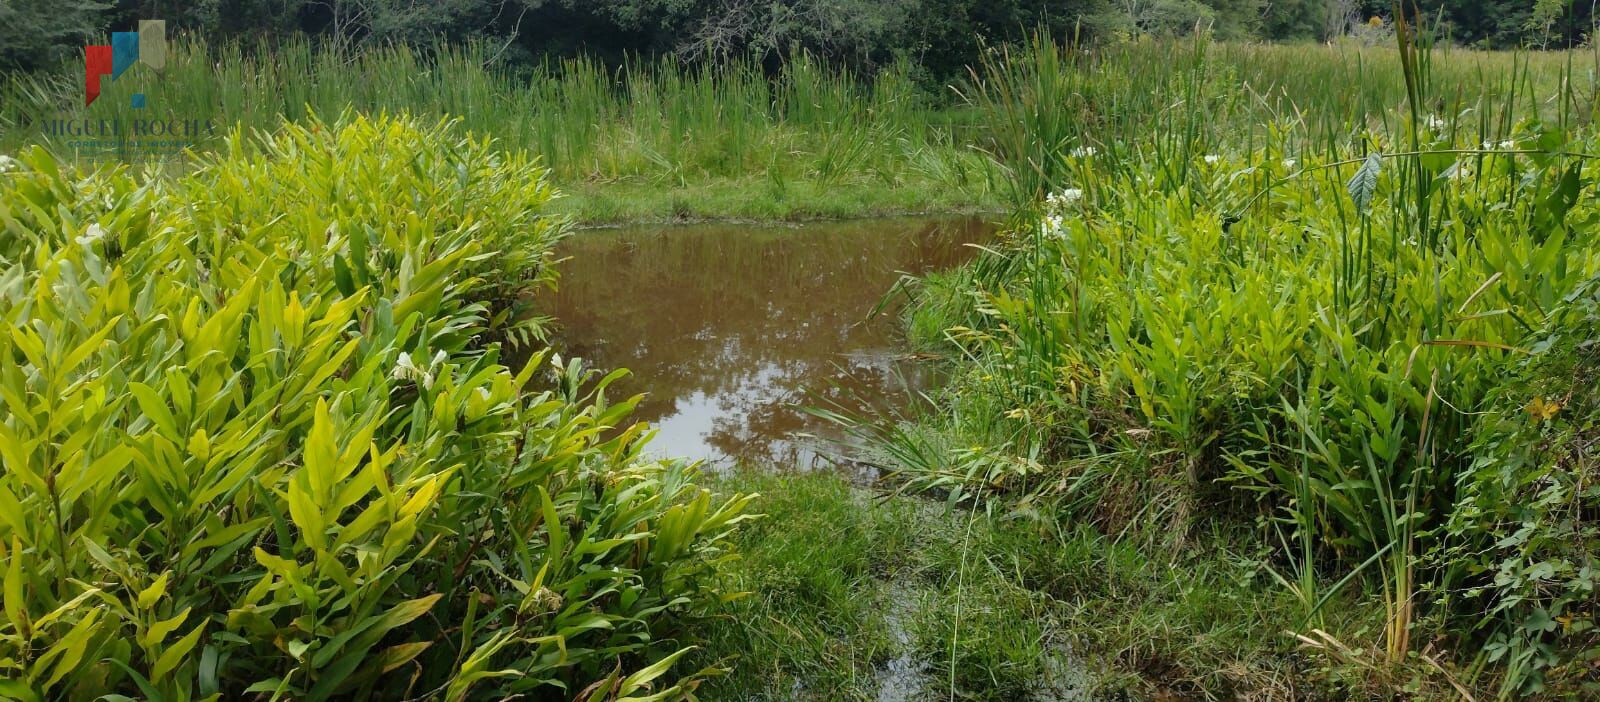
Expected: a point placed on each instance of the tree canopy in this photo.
(939, 36)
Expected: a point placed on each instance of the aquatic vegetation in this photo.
(259, 438)
(858, 597)
(664, 138)
(1060, 116)
(1300, 323)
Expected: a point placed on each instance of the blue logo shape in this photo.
(124, 52)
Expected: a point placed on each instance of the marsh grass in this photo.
(670, 130)
(663, 139)
(1252, 292)
(1161, 105)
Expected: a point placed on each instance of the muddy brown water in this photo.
(731, 328)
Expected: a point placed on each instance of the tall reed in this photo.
(658, 121)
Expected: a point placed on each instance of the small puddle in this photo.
(905, 677)
(729, 327)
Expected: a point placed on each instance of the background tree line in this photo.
(940, 37)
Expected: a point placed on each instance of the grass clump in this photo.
(257, 440)
(807, 628)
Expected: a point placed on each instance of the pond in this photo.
(732, 328)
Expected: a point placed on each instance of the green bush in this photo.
(1523, 535)
(257, 441)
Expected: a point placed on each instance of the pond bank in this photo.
(758, 200)
(857, 597)
(854, 595)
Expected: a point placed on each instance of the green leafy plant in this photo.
(258, 440)
(1522, 544)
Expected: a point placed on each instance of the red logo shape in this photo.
(96, 62)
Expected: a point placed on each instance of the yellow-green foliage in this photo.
(255, 439)
(1257, 309)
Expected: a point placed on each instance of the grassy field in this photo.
(658, 140)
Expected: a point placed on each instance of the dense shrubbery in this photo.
(39, 33)
(256, 439)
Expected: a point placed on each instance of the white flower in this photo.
(1508, 144)
(1053, 227)
(1082, 151)
(403, 366)
(8, 164)
(1057, 202)
(1290, 163)
(92, 236)
(1487, 145)
(406, 369)
(1212, 158)
(1435, 123)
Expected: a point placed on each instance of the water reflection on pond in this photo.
(728, 327)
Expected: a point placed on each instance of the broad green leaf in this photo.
(155, 408)
(150, 595)
(1364, 184)
(174, 656)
